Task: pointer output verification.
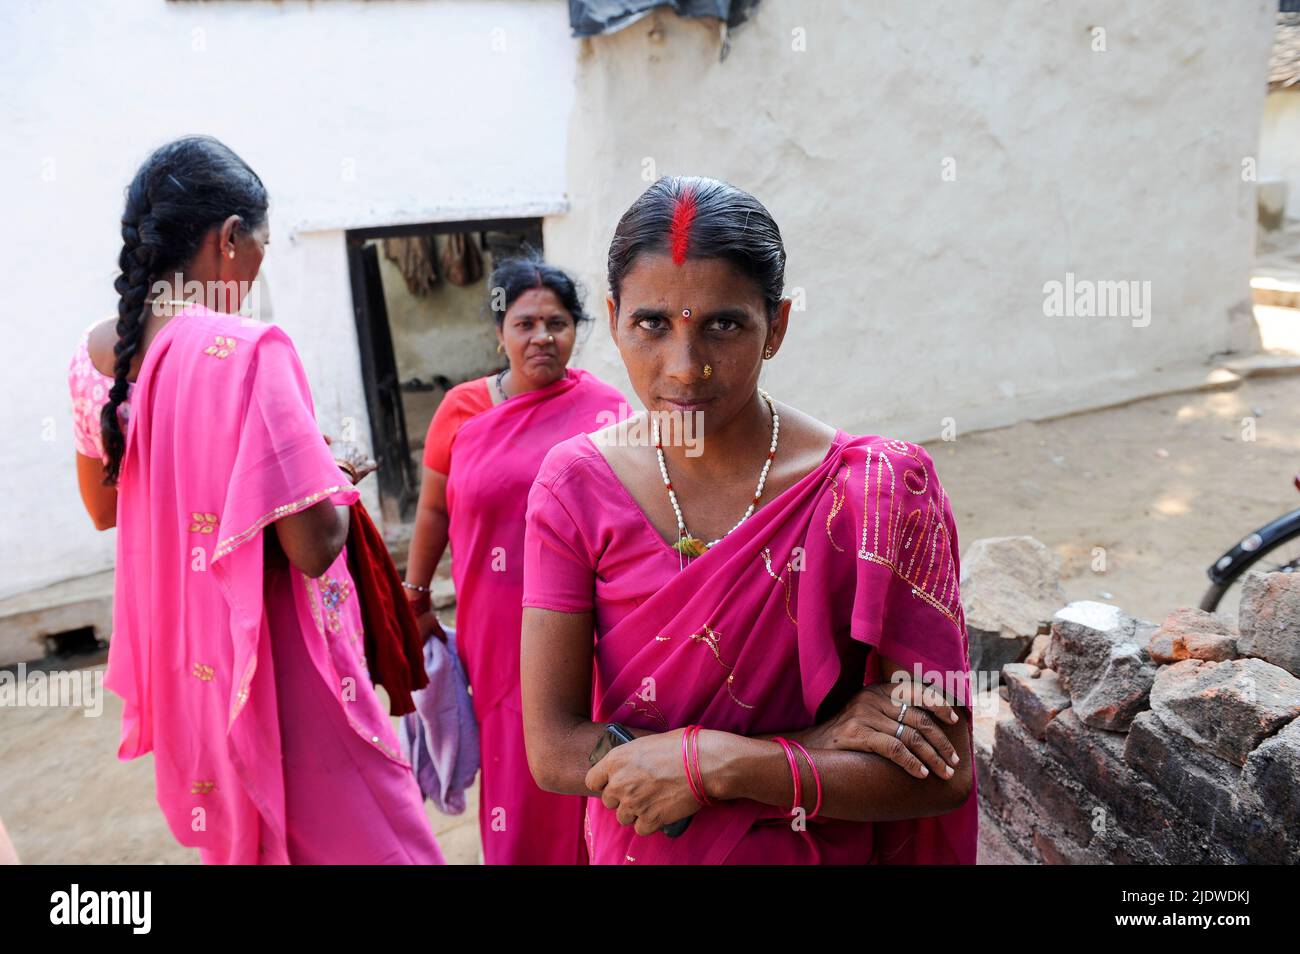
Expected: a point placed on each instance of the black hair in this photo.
(177, 195)
(525, 271)
(699, 217)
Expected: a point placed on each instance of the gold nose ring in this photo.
(708, 370)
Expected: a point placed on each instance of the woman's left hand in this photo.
(355, 457)
(644, 781)
(429, 626)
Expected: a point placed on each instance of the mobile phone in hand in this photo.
(613, 735)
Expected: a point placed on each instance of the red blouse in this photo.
(461, 403)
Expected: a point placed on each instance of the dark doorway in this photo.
(398, 410)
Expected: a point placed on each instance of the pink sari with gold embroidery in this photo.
(752, 636)
(245, 678)
(494, 461)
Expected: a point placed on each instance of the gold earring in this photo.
(767, 352)
(708, 370)
(500, 349)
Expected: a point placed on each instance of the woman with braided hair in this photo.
(237, 641)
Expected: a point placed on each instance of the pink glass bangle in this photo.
(794, 771)
(686, 763)
(817, 778)
(699, 774)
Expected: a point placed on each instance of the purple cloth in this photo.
(440, 738)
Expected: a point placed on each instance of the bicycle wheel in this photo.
(1278, 556)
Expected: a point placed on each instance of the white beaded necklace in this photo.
(693, 546)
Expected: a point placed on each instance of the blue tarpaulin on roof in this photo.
(593, 17)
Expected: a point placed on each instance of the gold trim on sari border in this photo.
(653, 711)
(711, 637)
(241, 696)
(838, 499)
(374, 740)
(766, 554)
(284, 510)
(917, 531)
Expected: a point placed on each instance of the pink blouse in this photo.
(89, 387)
(589, 538)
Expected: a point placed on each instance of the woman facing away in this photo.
(486, 441)
(766, 613)
(237, 645)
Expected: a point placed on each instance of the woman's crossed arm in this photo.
(867, 774)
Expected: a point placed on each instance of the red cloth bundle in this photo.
(394, 650)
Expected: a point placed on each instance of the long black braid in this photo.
(179, 193)
(137, 264)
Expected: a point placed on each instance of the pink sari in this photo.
(495, 457)
(245, 678)
(752, 635)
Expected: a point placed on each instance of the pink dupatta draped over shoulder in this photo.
(223, 441)
(751, 637)
(495, 456)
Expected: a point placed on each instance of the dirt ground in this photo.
(1163, 485)
(66, 799)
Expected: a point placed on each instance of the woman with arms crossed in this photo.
(751, 657)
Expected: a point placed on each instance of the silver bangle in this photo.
(417, 587)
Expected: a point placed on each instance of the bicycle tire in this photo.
(1213, 595)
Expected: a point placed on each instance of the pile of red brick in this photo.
(1119, 741)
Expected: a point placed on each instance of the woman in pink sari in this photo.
(795, 681)
(474, 495)
(237, 645)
